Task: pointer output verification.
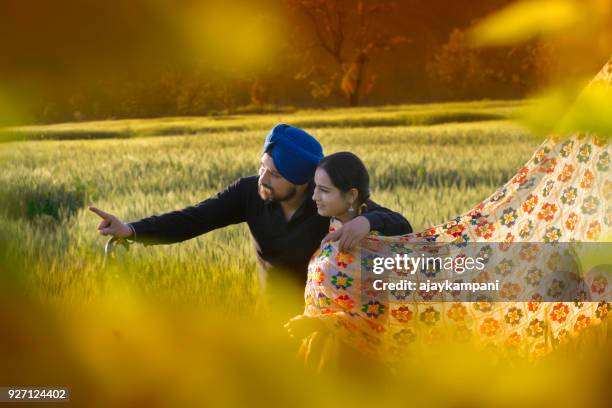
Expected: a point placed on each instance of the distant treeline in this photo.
(72, 60)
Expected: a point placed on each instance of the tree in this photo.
(349, 32)
(465, 71)
(457, 66)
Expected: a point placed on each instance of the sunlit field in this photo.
(178, 324)
(428, 173)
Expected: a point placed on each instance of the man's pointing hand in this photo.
(111, 225)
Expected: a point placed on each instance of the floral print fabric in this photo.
(560, 195)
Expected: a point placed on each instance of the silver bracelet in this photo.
(133, 239)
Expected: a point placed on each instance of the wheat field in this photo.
(429, 173)
(175, 325)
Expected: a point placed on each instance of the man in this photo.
(276, 205)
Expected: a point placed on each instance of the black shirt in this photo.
(280, 244)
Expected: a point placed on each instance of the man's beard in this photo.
(273, 198)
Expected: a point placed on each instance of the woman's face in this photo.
(331, 202)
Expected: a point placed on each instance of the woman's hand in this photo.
(301, 326)
(350, 234)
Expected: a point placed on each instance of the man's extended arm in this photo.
(225, 208)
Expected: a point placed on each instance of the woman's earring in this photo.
(351, 209)
(363, 208)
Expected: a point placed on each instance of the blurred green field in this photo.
(429, 173)
(393, 115)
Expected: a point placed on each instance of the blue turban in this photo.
(295, 154)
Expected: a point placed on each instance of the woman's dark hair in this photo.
(347, 171)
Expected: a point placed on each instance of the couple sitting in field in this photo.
(311, 216)
(287, 208)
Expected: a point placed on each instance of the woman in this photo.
(342, 192)
(560, 195)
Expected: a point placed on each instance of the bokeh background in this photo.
(71, 60)
(146, 106)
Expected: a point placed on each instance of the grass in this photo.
(389, 116)
(177, 325)
(428, 173)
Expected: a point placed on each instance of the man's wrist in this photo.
(132, 237)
